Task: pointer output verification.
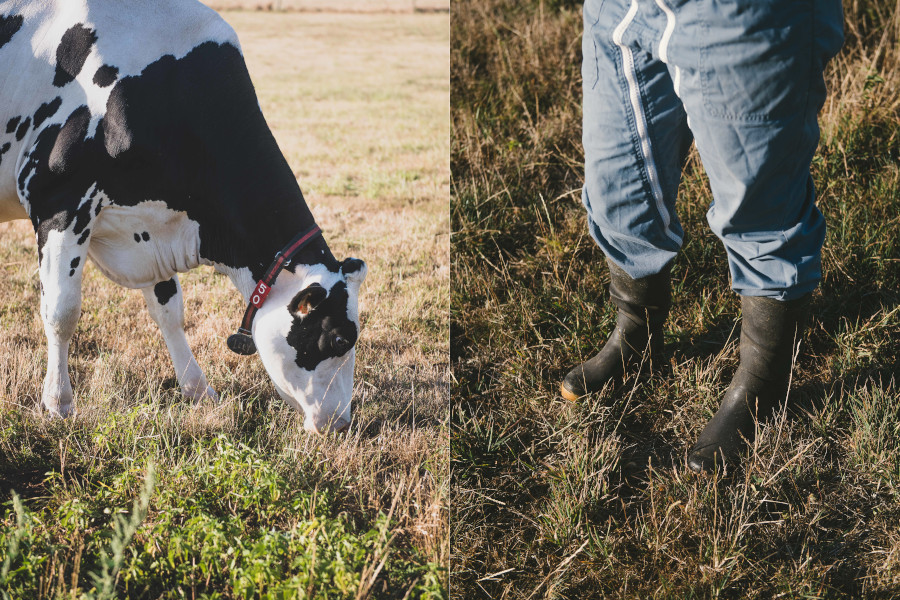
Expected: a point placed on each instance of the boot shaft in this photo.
(770, 332)
(645, 301)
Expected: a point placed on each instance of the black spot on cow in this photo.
(46, 110)
(164, 291)
(23, 128)
(82, 217)
(74, 265)
(137, 238)
(56, 165)
(44, 227)
(3, 150)
(188, 132)
(325, 331)
(145, 236)
(106, 75)
(351, 265)
(84, 236)
(12, 124)
(68, 151)
(9, 25)
(71, 53)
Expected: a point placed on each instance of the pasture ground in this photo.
(557, 500)
(245, 504)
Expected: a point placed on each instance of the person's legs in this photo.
(635, 142)
(752, 91)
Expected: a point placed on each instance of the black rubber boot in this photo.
(770, 332)
(643, 308)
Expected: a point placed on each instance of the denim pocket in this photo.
(756, 58)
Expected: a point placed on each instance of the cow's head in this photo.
(306, 334)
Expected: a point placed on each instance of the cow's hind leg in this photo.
(62, 260)
(166, 306)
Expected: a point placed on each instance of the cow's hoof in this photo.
(60, 411)
(200, 394)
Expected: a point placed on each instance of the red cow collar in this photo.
(242, 341)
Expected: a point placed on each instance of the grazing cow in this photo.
(130, 133)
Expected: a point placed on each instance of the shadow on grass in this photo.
(27, 481)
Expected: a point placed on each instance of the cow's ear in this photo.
(306, 300)
(354, 270)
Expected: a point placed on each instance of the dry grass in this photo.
(554, 500)
(366, 131)
(326, 87)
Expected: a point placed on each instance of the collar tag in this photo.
(259, 294)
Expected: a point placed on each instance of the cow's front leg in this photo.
(61, 264)
(166, 306)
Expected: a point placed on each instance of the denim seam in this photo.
(650, 172)
(592, 29)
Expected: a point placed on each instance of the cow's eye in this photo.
(341, 344)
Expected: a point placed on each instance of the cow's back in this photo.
(58, 56)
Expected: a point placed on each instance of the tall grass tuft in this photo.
(12, 549)
(123, 530)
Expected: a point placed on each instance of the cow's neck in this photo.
(265, 248)
(316, 254)
(255, 210)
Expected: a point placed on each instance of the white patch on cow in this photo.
(159, 33)
(324, 396)
(354, 281)
(173, 247)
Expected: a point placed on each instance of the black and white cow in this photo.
(130, 133)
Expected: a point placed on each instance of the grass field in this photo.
(244, 503)
(556, 500)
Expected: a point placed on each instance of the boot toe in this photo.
(571, 388)
(705, 459)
